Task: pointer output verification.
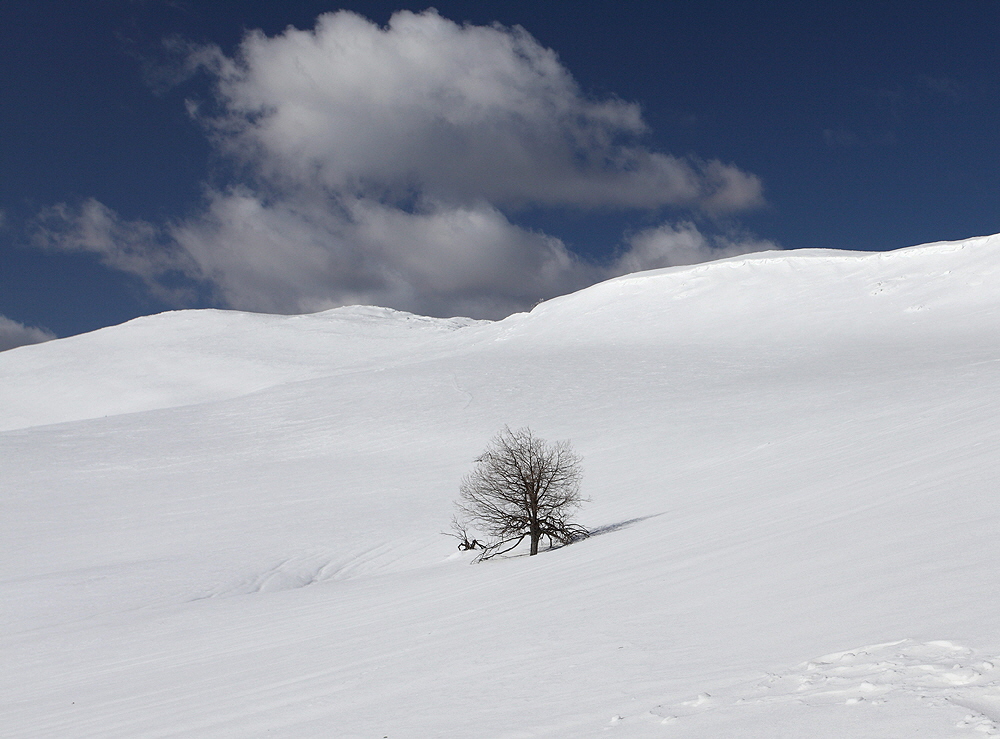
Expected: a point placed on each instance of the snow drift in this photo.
(226, 524)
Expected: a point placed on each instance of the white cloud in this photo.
(456, 113)
(673, 245)
(289, 257)
(14, 334)
(136, 247)
(384, 164)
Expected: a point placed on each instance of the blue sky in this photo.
(153, 156)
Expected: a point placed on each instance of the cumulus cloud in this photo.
(674, 245)
(288, 257)
(451, 112)
(387, 164)
(14, 334)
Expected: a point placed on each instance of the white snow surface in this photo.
(221, 524)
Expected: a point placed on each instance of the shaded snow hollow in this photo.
(221, 524)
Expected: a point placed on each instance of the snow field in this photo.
(785, 458)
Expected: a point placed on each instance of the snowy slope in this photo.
(186, 357)
(791, 459)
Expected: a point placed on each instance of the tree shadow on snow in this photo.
(611, 527)
(598, 531)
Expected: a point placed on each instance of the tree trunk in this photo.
(536, 535)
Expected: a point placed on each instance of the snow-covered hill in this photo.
(227, 525)
(185, 357)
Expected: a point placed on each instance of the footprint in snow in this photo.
(936, 674)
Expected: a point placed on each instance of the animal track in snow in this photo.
(885, 287)
(938, 674)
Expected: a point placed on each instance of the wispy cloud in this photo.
(387, 164)
(14, 334)
(136, 247)
(942, 86)
(838, 138)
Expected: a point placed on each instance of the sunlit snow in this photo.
(221, 524)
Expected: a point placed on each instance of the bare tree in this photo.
(521, 487)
